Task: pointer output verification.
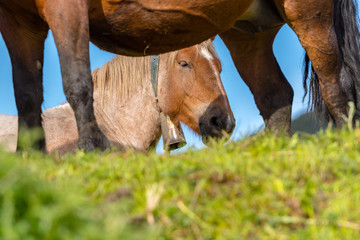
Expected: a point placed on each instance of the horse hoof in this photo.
(99, 141)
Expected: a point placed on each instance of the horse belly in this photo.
(23, 7)
(143, 27)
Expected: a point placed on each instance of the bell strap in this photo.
(154, 73)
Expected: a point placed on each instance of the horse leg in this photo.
(256, 64)
(314, 28)
(25, 44)
(69, 23)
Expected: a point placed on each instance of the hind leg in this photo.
(69, 23)
(256, 64)
(25, 43)
(314, 28)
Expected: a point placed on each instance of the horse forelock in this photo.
(119, 78)
(206, 45)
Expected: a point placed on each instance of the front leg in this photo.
(25, 43)
(255, 61)
(69, 23)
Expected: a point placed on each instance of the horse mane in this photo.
(120, 77)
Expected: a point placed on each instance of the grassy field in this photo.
(262, 187)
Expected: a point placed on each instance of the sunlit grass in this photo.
(262, 187)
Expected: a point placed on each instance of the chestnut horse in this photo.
(327, 29)
(126, 108)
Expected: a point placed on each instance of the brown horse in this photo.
(326, 29)
(125, 105)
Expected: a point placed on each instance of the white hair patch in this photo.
(206, 53)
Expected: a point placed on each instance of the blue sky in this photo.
(287, 50)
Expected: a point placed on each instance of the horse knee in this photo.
(78, 91)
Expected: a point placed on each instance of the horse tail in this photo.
(315, 100)
(345, 23)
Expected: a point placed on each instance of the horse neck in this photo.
(131, 122)
(8, 132)
(60, 129)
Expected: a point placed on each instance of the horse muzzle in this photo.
(216, 127)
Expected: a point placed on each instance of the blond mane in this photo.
(119, 78)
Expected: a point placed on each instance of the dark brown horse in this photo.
(327, 29)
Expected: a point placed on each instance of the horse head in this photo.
(191, 91)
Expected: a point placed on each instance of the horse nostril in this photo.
(225, 123)
(214, 122)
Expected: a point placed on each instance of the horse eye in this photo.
(184, 64)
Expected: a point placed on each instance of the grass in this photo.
(262, 187)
